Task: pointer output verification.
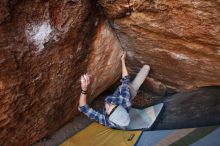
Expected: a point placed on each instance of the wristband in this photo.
(83, 92)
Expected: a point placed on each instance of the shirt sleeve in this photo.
(125, 97)
(125, 79)
(124, 89)
(124, 93)
(93, 114)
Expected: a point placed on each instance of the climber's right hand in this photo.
(123, 56)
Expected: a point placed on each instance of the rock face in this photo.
(104, 62)
(179, 39)
(45, 47)
(200, 107)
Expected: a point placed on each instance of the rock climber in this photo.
(117, 106)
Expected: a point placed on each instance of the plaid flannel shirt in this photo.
(120, 97)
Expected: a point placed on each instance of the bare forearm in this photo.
(82, 99)
(124, 69)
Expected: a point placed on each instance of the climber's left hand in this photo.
(85, 81)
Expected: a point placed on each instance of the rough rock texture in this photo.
(200, 107)
(179, 39)
(104, 62)
(44, 48)
(154, 87)
(115, 8)
(46, 45)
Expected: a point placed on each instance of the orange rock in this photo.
(179, 39)
(104, 62)
(45, 47)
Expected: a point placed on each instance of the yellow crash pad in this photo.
(98, 135)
